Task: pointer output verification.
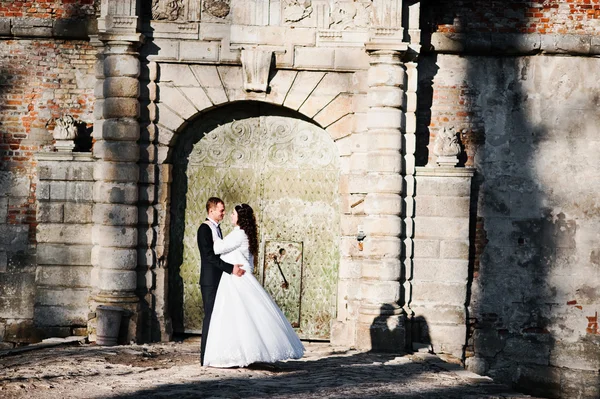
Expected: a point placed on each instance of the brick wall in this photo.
(40, 80)
(47, 8)
(550, 16)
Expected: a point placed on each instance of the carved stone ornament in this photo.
(297, 10)
(170, 10)
(217, 8)
(446, 147)
(349, 14)
(256, 65)
(65, 133)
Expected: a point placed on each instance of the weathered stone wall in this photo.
(40, 80)
(64, 215)
(528, 122)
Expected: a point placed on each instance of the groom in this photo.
(211, 265)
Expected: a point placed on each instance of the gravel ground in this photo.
(172, 370)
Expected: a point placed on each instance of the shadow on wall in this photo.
(530, 249)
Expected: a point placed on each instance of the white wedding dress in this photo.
(246, 325)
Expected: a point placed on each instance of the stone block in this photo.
(199, 51)
(197, 96)
(426, 248)
(67, 297)
(433, 292)
(3, 263)
(458, 249)
(114, 236)
(580, 384)
(14, 185)
(117, 151)
(115, 214)
(79, 191)
(449, 270)
(63, 276)
(71, 28)
(56, 254)
(380, 246)
(121, 87)
(449, 186)
(120, 107)
(542, 381)
(351, 58)
(64, 233)
(17, 293)
(441, 314)
(583, 354)
(349, 268)
(5, 28)
(383, 269)
(117, 280)
(14, 237)
(335, 110)
(384, 118)
(169, 50)
(124, 129)
(379, 292)
(314, 58)
(326, 90)
(121, 65)
(341, 128)
(443, 206)
(78, 212)
(302, 87)
(115, 193)
(180, 74)
(168, 118)
(528, 350)
(447, 338)
(383, 204)
(209, 79)
(441, 227)
(72, 171)
(176, 101)
(3, 209)
(48, 316)
(22, 331)
(280, 85)
(386, 75)
(58, 191)
(50, 212)
(114, 258)
(115, 172)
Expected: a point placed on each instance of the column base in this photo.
(386, 333)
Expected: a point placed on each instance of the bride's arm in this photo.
(232, 241)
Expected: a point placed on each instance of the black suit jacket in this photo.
(211, 265)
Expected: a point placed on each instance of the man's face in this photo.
(217, 212)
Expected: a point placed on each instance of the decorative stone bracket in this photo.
(256, 66)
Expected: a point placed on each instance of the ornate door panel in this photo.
(287, 170)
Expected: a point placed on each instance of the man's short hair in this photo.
(213, 202)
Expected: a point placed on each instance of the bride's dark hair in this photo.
(247, 222)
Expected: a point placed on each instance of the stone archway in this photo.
(287, 168)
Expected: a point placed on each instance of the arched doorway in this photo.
(287, 169)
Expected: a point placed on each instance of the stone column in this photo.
(381, 318)
(116, 172)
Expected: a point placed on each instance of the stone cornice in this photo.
(514, 44)
(24, 27)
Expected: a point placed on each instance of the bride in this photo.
(246, 326)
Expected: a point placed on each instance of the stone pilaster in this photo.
(116, 170)
(381, 318)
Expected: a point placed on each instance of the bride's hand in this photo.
(238, 271)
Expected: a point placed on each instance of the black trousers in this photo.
(209, 293)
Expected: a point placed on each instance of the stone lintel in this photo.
(443, 171)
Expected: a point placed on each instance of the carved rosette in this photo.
(217, 8)
(350, 14)
(296, 10)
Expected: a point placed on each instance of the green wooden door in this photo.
(287, 170)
